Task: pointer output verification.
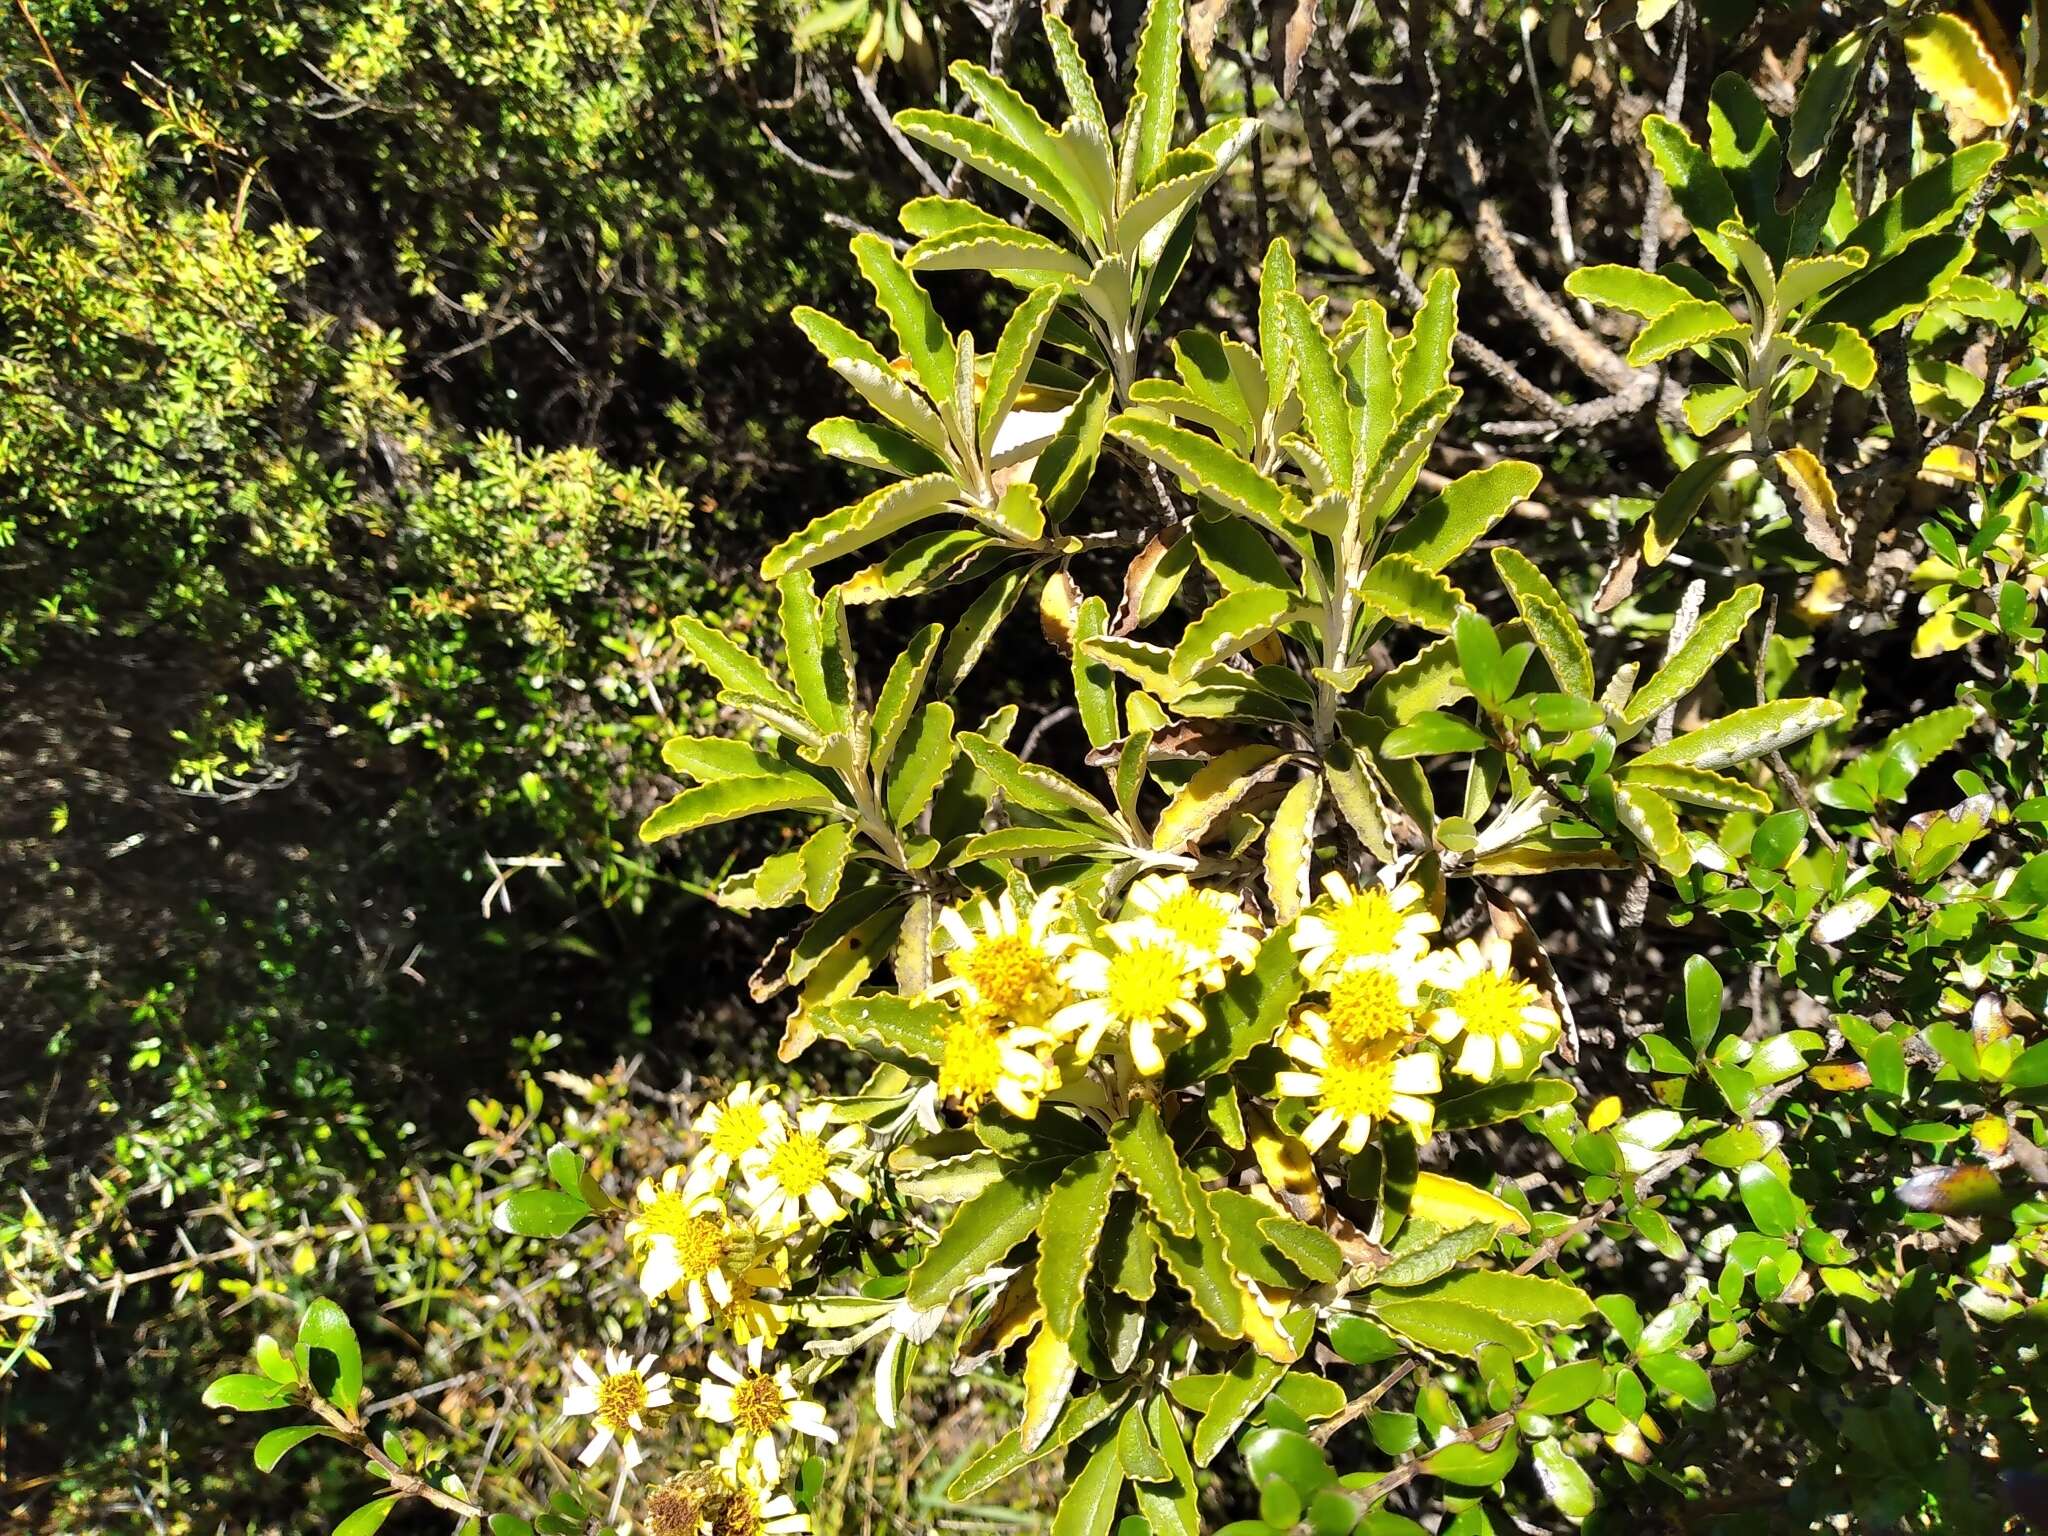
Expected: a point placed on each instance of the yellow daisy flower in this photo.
(1370, 1002)
(800, 1167)
(1211, 925)
(692, 1245)
(1502, 1020)
(1010, 968)
(1143, 984)
(620, 1401)
(759, 1405)
(749, 1316)
(728, 1130)
(984, 1061)
(1352, 1089)
(1384, 921)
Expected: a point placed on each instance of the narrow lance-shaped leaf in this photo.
(1690, 324)
(1696, 184)
(997, 156)
(1459, 515)
(1425, 359)
(1068, 1232)
(1147, 1157)
(1686, 667)
(1680, 503)
(1628, 289)
(1212, 793)
(1651, 820)
(707, 805)
(1207, 465)
(1746, 734)
(874, 516)
(901, 690)
(910, 314)
(920, 764)
(1011, 363)
(1155, 91)
(1321, 386)
(1400, 589)
(1823, 96)
(1230, 624)
(980, 1234)
(1550, 622)
(995, 247)
(1094, 683)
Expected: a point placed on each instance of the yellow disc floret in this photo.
(972, 1063)
(1368, 1003)
(739, 1129)
(1144, 982)
(1358, 1085)
(799, 1164)
(621, 1400)
(757, 1406)
(1007, 971)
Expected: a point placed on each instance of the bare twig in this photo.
(904, 147)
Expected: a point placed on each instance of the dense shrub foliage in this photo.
(1398, 835)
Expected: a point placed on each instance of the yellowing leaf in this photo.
(1215, 789)
(1840, 1076)
(1604, 1114)
(1951, 60)
(1048, 1377)
(1820, 516)
(1452, 1203)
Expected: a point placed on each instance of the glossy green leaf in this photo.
(980, 1234)
(1686, 668)
(886, 1025)
(1746, 734)
(246, 1392)
(1551, 624)
(1455, 1327)
(1068, 1231)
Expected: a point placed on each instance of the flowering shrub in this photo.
(1222, 1088)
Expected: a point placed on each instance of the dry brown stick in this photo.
(903, 146)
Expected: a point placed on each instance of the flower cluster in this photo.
(1046, 1005)
(718, 1238)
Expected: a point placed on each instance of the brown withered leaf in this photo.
(1294, 34)
(1620, 579)
(1186, 741)
(1204, 18)
(1151, 579)
(1059, 606)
